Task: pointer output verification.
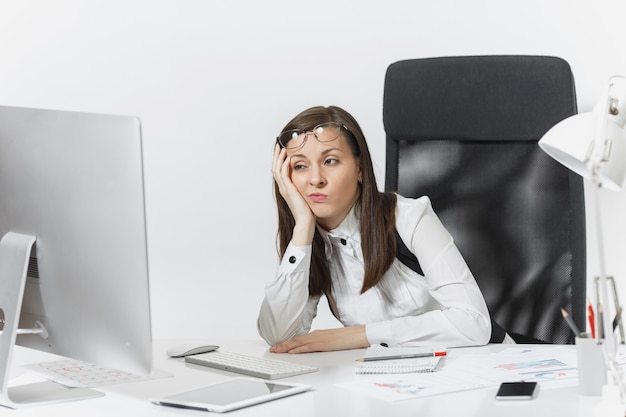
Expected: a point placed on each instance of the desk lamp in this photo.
(593, 145)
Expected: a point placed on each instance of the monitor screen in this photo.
(74, 182)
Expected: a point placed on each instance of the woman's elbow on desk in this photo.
(474, 329)
(273, 333)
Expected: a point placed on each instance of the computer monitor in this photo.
(73, 255)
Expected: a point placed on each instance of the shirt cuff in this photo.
(296, 258)
(378, 333)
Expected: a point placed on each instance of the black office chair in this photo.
(464, 131)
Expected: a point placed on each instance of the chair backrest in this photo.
(464, 131)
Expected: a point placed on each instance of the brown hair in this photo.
(375, 209)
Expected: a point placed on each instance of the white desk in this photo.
(325, 400)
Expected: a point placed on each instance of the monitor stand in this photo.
(15, 252)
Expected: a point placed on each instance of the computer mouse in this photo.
(186, 350)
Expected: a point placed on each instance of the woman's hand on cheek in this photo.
(303, 216)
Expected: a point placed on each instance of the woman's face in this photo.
(327, 176)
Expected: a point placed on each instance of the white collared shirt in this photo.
(443, 308)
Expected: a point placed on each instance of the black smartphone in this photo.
(517, 391)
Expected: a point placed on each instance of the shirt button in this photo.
(343, 242)
(292, 259)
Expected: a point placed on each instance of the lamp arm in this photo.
(605, 327)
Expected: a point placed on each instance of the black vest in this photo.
(407, 257)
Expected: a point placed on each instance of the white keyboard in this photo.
(75, 373)
(265, 368)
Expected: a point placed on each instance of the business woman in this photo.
(337, 238)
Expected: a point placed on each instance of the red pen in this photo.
(592, 320)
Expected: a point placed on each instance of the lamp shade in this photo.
(570, 142)
(574, 142)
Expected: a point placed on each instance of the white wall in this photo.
(215, 80)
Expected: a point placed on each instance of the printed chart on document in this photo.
(553, 366)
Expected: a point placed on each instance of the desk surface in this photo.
(325, 399)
